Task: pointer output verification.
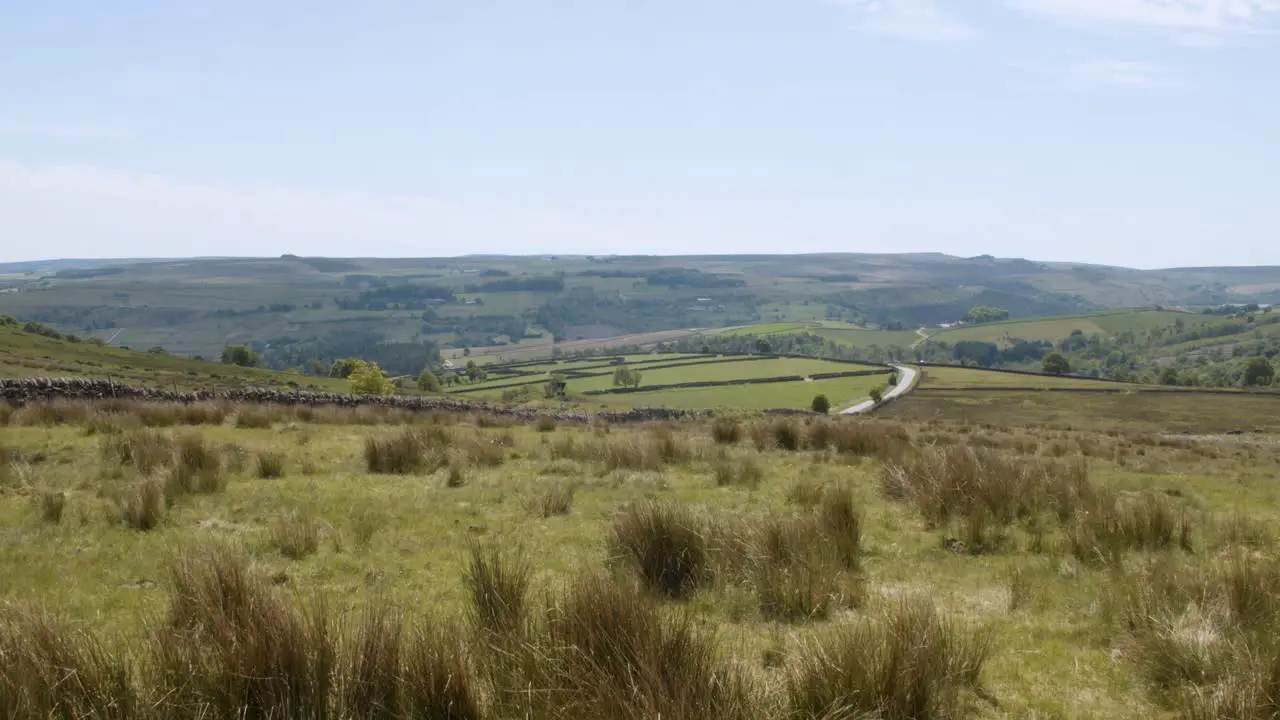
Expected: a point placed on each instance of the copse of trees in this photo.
(626, 377)
(1056, 364)
(240, 355)
(1259, 371)
(369, 379)
(986, 314)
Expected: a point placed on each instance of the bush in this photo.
(369, 379)
(912, 663)
(662, 543)
(877, 395)
(820, 404)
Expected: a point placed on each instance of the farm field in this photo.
(813, 538)
(842, 392)
(867, 338)
(1057, 328)
(934, 377)
(1147, 411)
(768, 328)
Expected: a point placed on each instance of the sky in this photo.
(1143, 133)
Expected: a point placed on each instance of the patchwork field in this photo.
(842, 392)
(217, 561)
(934, 377)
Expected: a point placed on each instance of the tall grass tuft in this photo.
(52, 503)
(269, 464)
(739, 470)
(497, 584)
(296, 535)
(726, 430)
(142, 505)
(49, 671)
(553, 498)
(407, 451)
(1116, 523)
(911, 663)
(662, 543)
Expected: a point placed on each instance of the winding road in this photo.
(906, 376)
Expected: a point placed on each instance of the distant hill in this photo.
(297, 310)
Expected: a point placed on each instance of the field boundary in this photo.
(1026, 373)
(1137, 389)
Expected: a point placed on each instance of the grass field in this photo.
(1133, 411)
(866, 338)
(948, 377)
(24, 354)
(842, 392)
(758, 568)
(711, 368)
(1057, 328)
(769, 328)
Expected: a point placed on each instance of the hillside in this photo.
(30, 354)
(404, 312)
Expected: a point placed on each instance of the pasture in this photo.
(935, 377)
(222, 561)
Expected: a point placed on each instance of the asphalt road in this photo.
(906, 376)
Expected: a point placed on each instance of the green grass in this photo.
(24, 354)
(1057, 641)
(842, 392)
(948, 377)
(776, 328)
(867, 338)
(1134, 411)
(1059, 327)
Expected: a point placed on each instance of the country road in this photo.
(906, 376)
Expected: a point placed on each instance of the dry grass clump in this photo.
(197, 467)
(53, 412)
(672, 448)
(269, 464)
(552, 498)
(482, 449)
(51, 503)
(407, 451)
(142, 505)
(908, 663)
(545, 423)
(1113, 523)
(144, 449)
(296, 535)
(497, 584)
(986, 491)
(50, 671)
(664, 543)
(737, 470)
(726, 430)
(254, 417)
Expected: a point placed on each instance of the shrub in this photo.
(662, 543)
(726, 430)
(296, 535)
(497, 586)
(912, 663)
(270, 464)
(820, 404)
(877, 395)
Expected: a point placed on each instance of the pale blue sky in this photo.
(1135, 132)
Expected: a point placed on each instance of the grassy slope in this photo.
(1059, 327)
(24, 354)
(865, 338)
(1054, 656)
(952, 378)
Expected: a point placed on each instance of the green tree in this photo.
(763, 346)
(821, 404)
(240, 355)
(622, 377)
(343, 367)
(1056, 363)
(475, 373)
(1169, 376)
(368, 379)
(877, 395)
(428, 382)
(1259, 372)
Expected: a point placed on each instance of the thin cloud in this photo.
(915, 20)
(1190, 22)
(1101, 73)
(61, 130)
